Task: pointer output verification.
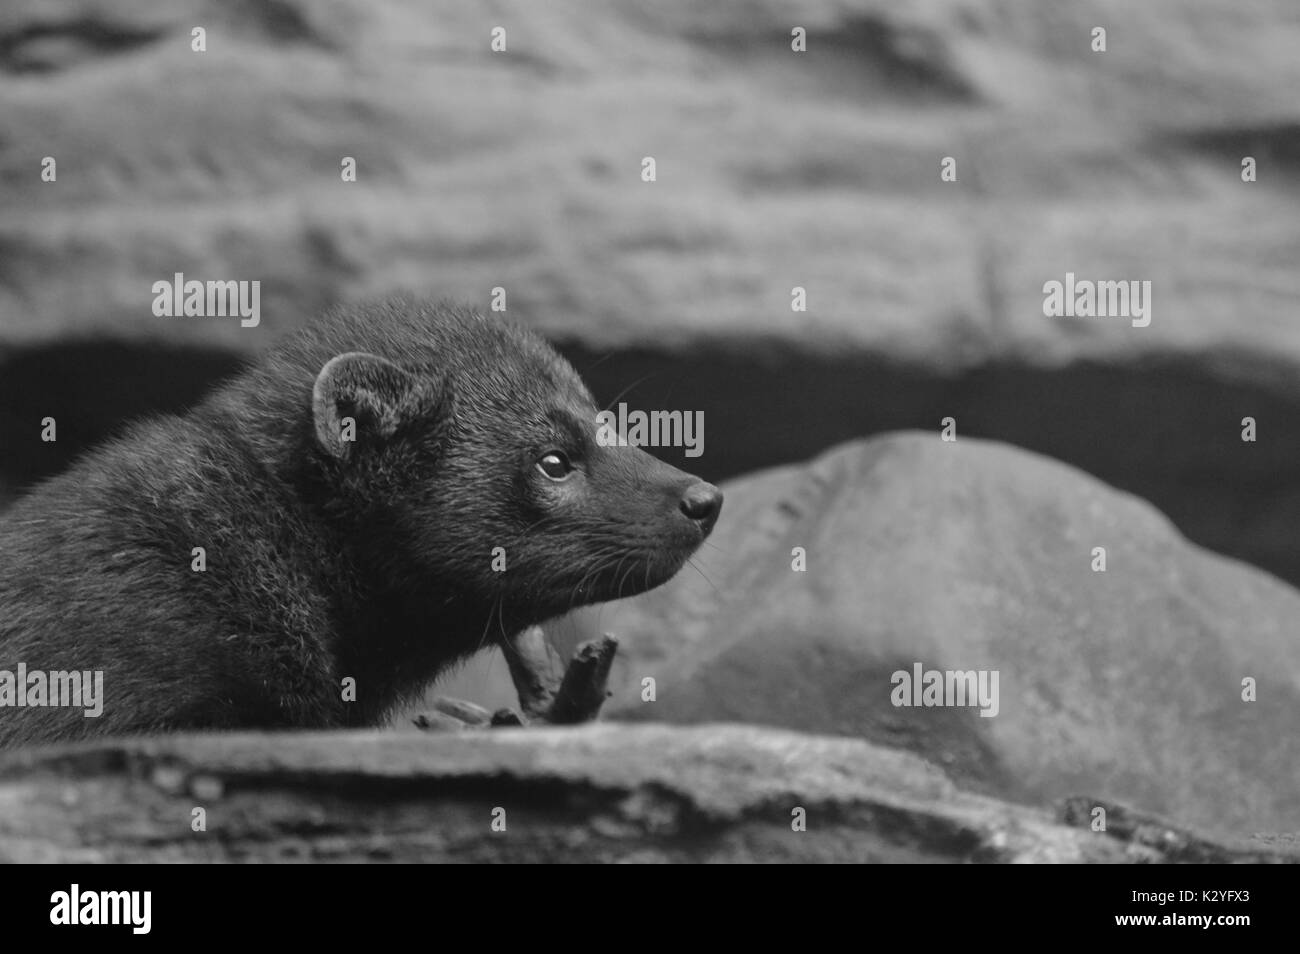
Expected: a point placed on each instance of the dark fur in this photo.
(375, 566)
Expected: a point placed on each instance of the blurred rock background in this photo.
(775, 169)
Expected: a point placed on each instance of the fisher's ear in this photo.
(360, 398)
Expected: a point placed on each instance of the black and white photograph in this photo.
(651, 431)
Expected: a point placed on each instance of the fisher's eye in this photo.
(555, 465)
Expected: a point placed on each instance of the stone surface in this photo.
(775, 168)
(1125, 684)
(597, 794)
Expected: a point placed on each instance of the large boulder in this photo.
(1125, 683)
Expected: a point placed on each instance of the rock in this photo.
(776, 168)
(1124, 684)
(596, 794)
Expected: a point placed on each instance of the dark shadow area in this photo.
(1278, 145)
(92, 389)
(49, 47)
